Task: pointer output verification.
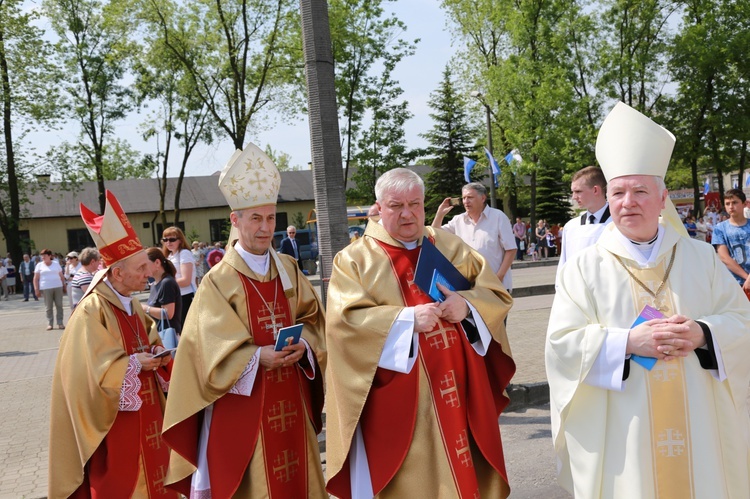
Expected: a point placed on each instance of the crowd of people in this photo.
(646, 361)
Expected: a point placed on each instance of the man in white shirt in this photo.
(485, 229)
(589, 192)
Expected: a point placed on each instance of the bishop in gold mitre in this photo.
(647, 343)
(108, 388)
(242, 417)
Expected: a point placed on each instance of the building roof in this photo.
(142, 195)
(139, 195)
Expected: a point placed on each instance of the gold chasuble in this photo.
(677, 431)
(262, 445)
(432, 432)
(96, 449)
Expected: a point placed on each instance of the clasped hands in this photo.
(453, 309)
(287, 356)
(665, 338)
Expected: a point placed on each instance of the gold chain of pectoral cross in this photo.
(641, 284)
(271, 310)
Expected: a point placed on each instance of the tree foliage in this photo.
(451, 138)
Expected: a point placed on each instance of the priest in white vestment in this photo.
(659, 409)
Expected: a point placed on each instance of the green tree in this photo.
(382, 146)
(363, 38)
(92, 54)
(180, 115)
(233, 53)
(531, 59)
(451, 138)
(282, 160)
(27, 95)
(119, 161)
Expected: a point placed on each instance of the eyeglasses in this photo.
(169, 239)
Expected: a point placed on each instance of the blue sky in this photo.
(418, 75)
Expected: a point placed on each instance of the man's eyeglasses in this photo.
(169, 239)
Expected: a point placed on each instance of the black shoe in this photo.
(26, 299)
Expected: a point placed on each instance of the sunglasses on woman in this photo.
(169, 239)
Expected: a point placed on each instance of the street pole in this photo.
(493, 196)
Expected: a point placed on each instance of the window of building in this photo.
(77, 240)
(219, 229)
(160, 229)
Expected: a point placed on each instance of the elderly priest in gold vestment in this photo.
(242, 418)
(414, 387)
(656, 409)
(107, 398)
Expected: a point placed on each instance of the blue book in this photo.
(288, 336)
(433, 268)
(646, 314)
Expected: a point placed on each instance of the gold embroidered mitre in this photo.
(250, 179)
(112, 232)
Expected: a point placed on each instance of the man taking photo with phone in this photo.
(485, 229)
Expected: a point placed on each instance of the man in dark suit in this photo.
(289, 245)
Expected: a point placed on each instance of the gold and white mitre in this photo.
(250, 179)
(629, 143)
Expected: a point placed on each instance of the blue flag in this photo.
(493, 163)
(706, 188)
(747, 180)
(468, 165)
(514, 154)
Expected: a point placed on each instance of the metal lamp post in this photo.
(480, 97)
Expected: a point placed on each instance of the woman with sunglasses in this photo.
(177, 251)
(164, 299)
(50, 283)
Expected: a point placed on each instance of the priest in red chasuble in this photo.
(108, 388)
(414, 387)
(241, 417)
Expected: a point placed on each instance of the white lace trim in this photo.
(244, 385)
(164, 384)
(131, 385)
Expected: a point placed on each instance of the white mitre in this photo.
(251, 179)
(629, 143)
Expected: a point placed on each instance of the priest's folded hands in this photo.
(272, 359)
(665, 338)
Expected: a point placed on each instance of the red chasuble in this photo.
(276, 411)
(134, 440)
(466, 391)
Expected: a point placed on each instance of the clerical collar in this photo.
(598, 214)
(257, 263)
(125, 300)
(643, 253)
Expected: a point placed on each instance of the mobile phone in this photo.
(455, 201)
(164, 353)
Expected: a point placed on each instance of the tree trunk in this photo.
(328, 179)
(9, 221)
